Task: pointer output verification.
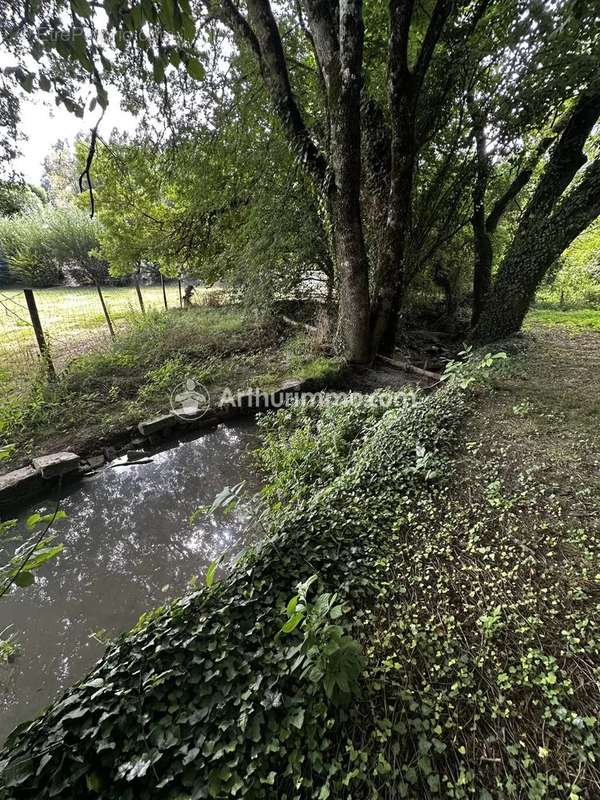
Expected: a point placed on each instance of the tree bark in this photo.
(532, 255)
(353, 265)
(338, 40)
(548, 225)
(482, 273)
(404, 88)
(402, 91)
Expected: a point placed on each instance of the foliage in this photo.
(575, 280)
(9, 648)
(219, 191)
(326, 654)
(61, 173)
(30, 554)
(213, 210)
(43, 246)
(19, 198)
(469, 366)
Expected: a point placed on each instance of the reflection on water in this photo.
(128, 546)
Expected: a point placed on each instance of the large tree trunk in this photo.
(402, 92)
(482, 273)
(338, 44)
(549, 224)
(351, 253)
(404, 87)
(533, 253)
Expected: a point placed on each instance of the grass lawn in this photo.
(73, 323)
(69, 311)
(575, 320)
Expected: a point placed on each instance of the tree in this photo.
(371, 100)
(60, 178)
(43, 246)
(565, 201)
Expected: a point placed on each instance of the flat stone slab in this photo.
(56, 464)
(135, 455)
(18, 485)
(95, 462)
(158, 424)
(291, 386)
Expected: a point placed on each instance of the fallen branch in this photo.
(308, 328)
(406, 367)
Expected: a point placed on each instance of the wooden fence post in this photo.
(162, 283)
(39, 332)
(139, 294)
(105, 309)
(180, 296)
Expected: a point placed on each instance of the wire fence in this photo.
(61, 323)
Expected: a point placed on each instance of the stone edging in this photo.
(21, 486)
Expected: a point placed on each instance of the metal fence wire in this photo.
(63, 323)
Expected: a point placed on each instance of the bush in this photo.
(43, 246)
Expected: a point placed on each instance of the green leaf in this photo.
(94, 782)
(24, 579)
(195, 69)
(188, 27)
(291, 606)
(297, 718)
(43, 555)
(210, 573)
(82, 8)
(36, 519)
(292, 623)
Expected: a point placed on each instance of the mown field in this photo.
(73, 323)
(73, 311)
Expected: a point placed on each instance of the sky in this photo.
(44, 123)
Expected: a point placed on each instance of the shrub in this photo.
(42, 246)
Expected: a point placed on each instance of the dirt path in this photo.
(543, 419)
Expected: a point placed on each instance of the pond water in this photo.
(128, 547)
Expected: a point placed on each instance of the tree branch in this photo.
(259, 31)
(439, 17)
(520, 181)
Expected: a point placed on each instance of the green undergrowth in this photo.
(116, 387)
(420, 621)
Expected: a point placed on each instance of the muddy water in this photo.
(128, 546)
